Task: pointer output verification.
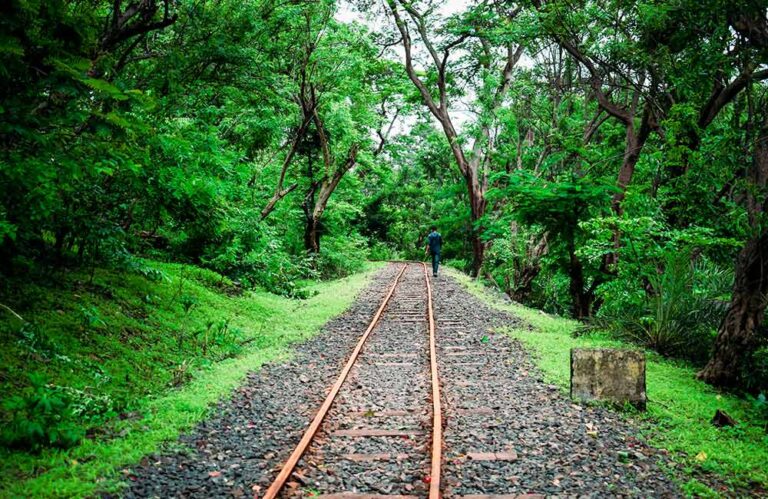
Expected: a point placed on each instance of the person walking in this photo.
(434, 245)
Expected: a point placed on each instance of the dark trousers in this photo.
(435, 262)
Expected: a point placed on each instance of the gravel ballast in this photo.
(505, 430)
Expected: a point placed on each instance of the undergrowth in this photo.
(97, 370)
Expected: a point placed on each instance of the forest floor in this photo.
(510, 427)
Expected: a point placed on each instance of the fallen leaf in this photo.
(214, 474)
(701, 457)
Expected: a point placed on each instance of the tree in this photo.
(483, 37)
(625, 85)
(62, 107)
(332, 79)
(739, 331)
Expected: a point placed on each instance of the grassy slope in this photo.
(119, 335)
(679, 408)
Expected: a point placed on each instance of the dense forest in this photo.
(602, 159)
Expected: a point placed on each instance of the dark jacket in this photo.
(435, 242)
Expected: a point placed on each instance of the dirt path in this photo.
(506, 432)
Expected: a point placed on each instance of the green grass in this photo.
(730, 460)
(116, 339)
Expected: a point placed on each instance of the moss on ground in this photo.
(733, 461)
(148, 357)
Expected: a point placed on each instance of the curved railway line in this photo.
(408, 306)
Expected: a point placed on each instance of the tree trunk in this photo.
(311, 222)
(582, 302)
(312, 235)
(737, 335)
(635, 140)
(581, 298)
(477, 211)
(478, 245)
(319, 193)
(523, 282)
(310, 226)
(527, 268)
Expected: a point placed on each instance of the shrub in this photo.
(756, 375)
(40, 417)
(382, 252)
(461, 264)
(278, 272)
(679, 312)
(34, 341)
(260, 258)
(340, 256)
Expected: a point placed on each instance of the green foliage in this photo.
(757, 374)
(167, 139)
(558, 207)
(40, 417)
(260, 258)
(103, 341)
(128, 388)
(678, 313)
(168, 147)
(382, 252)
(342, 256)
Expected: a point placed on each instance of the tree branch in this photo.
(722, 95)
(596, 82)
(409, 69)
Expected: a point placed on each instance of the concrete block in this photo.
(610, 375)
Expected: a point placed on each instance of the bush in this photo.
(551, 290)
(756, 372)
(278, 272)
(383, 252)
(340, 256)
(461, 264)
(41, 417)
(258, 257)
(679, 312)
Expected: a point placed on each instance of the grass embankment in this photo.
(142, 359)
(679, 408)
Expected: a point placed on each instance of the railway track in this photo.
(381, 422)
(503, 432)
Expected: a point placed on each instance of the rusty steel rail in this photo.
(437, 419)
(290, 464)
